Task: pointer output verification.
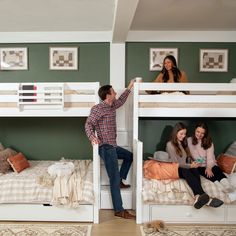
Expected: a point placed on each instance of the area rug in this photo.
(44, 229)
(190, 230)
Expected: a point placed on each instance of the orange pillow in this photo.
(18, 162)
(227, 163)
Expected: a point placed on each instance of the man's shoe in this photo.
(122, 185)
(125, 214)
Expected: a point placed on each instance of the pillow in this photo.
(18, 162)
(227, 163)
(4, 155)
(1, 147)
(160, 170)
(231, 151)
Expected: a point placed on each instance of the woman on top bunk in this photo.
(177, 148)
(170, 73)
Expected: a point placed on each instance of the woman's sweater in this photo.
(197, 152)
(175, 157)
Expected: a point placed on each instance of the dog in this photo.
(154, 226)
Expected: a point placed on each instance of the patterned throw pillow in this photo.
(227, 163)
(231, 151)
(18, 162)
(4, 155)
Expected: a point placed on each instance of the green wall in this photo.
(137, 58)
(52, 138)
(137, 64)
(156, 132)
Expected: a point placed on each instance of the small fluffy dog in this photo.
(154, 226)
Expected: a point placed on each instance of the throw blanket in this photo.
(160, 170)
(73, 188)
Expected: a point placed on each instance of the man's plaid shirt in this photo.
(102, 119)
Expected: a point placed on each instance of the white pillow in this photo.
(232, 179)
(231, 151)
(61, 169)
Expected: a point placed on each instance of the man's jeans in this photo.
(110, 156)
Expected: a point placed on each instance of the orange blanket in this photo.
(160, 170)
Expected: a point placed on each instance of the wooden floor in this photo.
(113, 226)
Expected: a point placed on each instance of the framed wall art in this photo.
(157, 56)
(13, 59)
(63, 58)
(213, 60)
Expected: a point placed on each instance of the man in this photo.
(102, 119)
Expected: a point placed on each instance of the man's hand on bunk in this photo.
(95, 141)
(131, 84)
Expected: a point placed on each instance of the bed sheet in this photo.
(177, 191)
(35, 185)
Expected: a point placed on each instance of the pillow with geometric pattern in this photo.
(231, 151)
(227, 163)
(18, 162)
(4, 155)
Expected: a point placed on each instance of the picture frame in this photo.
(63, 58)
(14, 58)
(157, 56)
(213, 60)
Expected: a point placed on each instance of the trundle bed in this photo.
(172, 201)
(48, 100)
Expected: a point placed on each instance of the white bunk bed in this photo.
(51, 100)
(203, 100)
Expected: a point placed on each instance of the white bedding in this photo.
(23, 187)
(34, 185)
(177, 191)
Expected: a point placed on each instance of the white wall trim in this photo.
(55, 37)
(117, 66)
(106, 36)
(181, 36)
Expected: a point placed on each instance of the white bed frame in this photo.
(51, 100)
(204, 100)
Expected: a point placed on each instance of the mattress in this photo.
(177, 191)
(35, 185)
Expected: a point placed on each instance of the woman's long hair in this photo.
(206, 140)
(176, 72)
(174, 140)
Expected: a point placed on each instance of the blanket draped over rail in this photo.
(74, 188)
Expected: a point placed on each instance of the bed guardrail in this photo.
(199, 99)
(48, 99)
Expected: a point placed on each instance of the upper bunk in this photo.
(201, 100)
(65, 99)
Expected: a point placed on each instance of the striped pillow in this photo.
(231, 151)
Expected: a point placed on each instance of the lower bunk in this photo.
(172, 200)
(226, 214)
(66, 190)
(46, 212)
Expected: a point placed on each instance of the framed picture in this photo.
(214, 60)
(13, 59)
(157, 56)
(65, 58)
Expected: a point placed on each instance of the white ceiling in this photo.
(118, 17)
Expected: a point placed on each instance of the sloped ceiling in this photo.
(118, 17)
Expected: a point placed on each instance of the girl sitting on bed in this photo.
(170, 73)
(202, 151)
(177, 148)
